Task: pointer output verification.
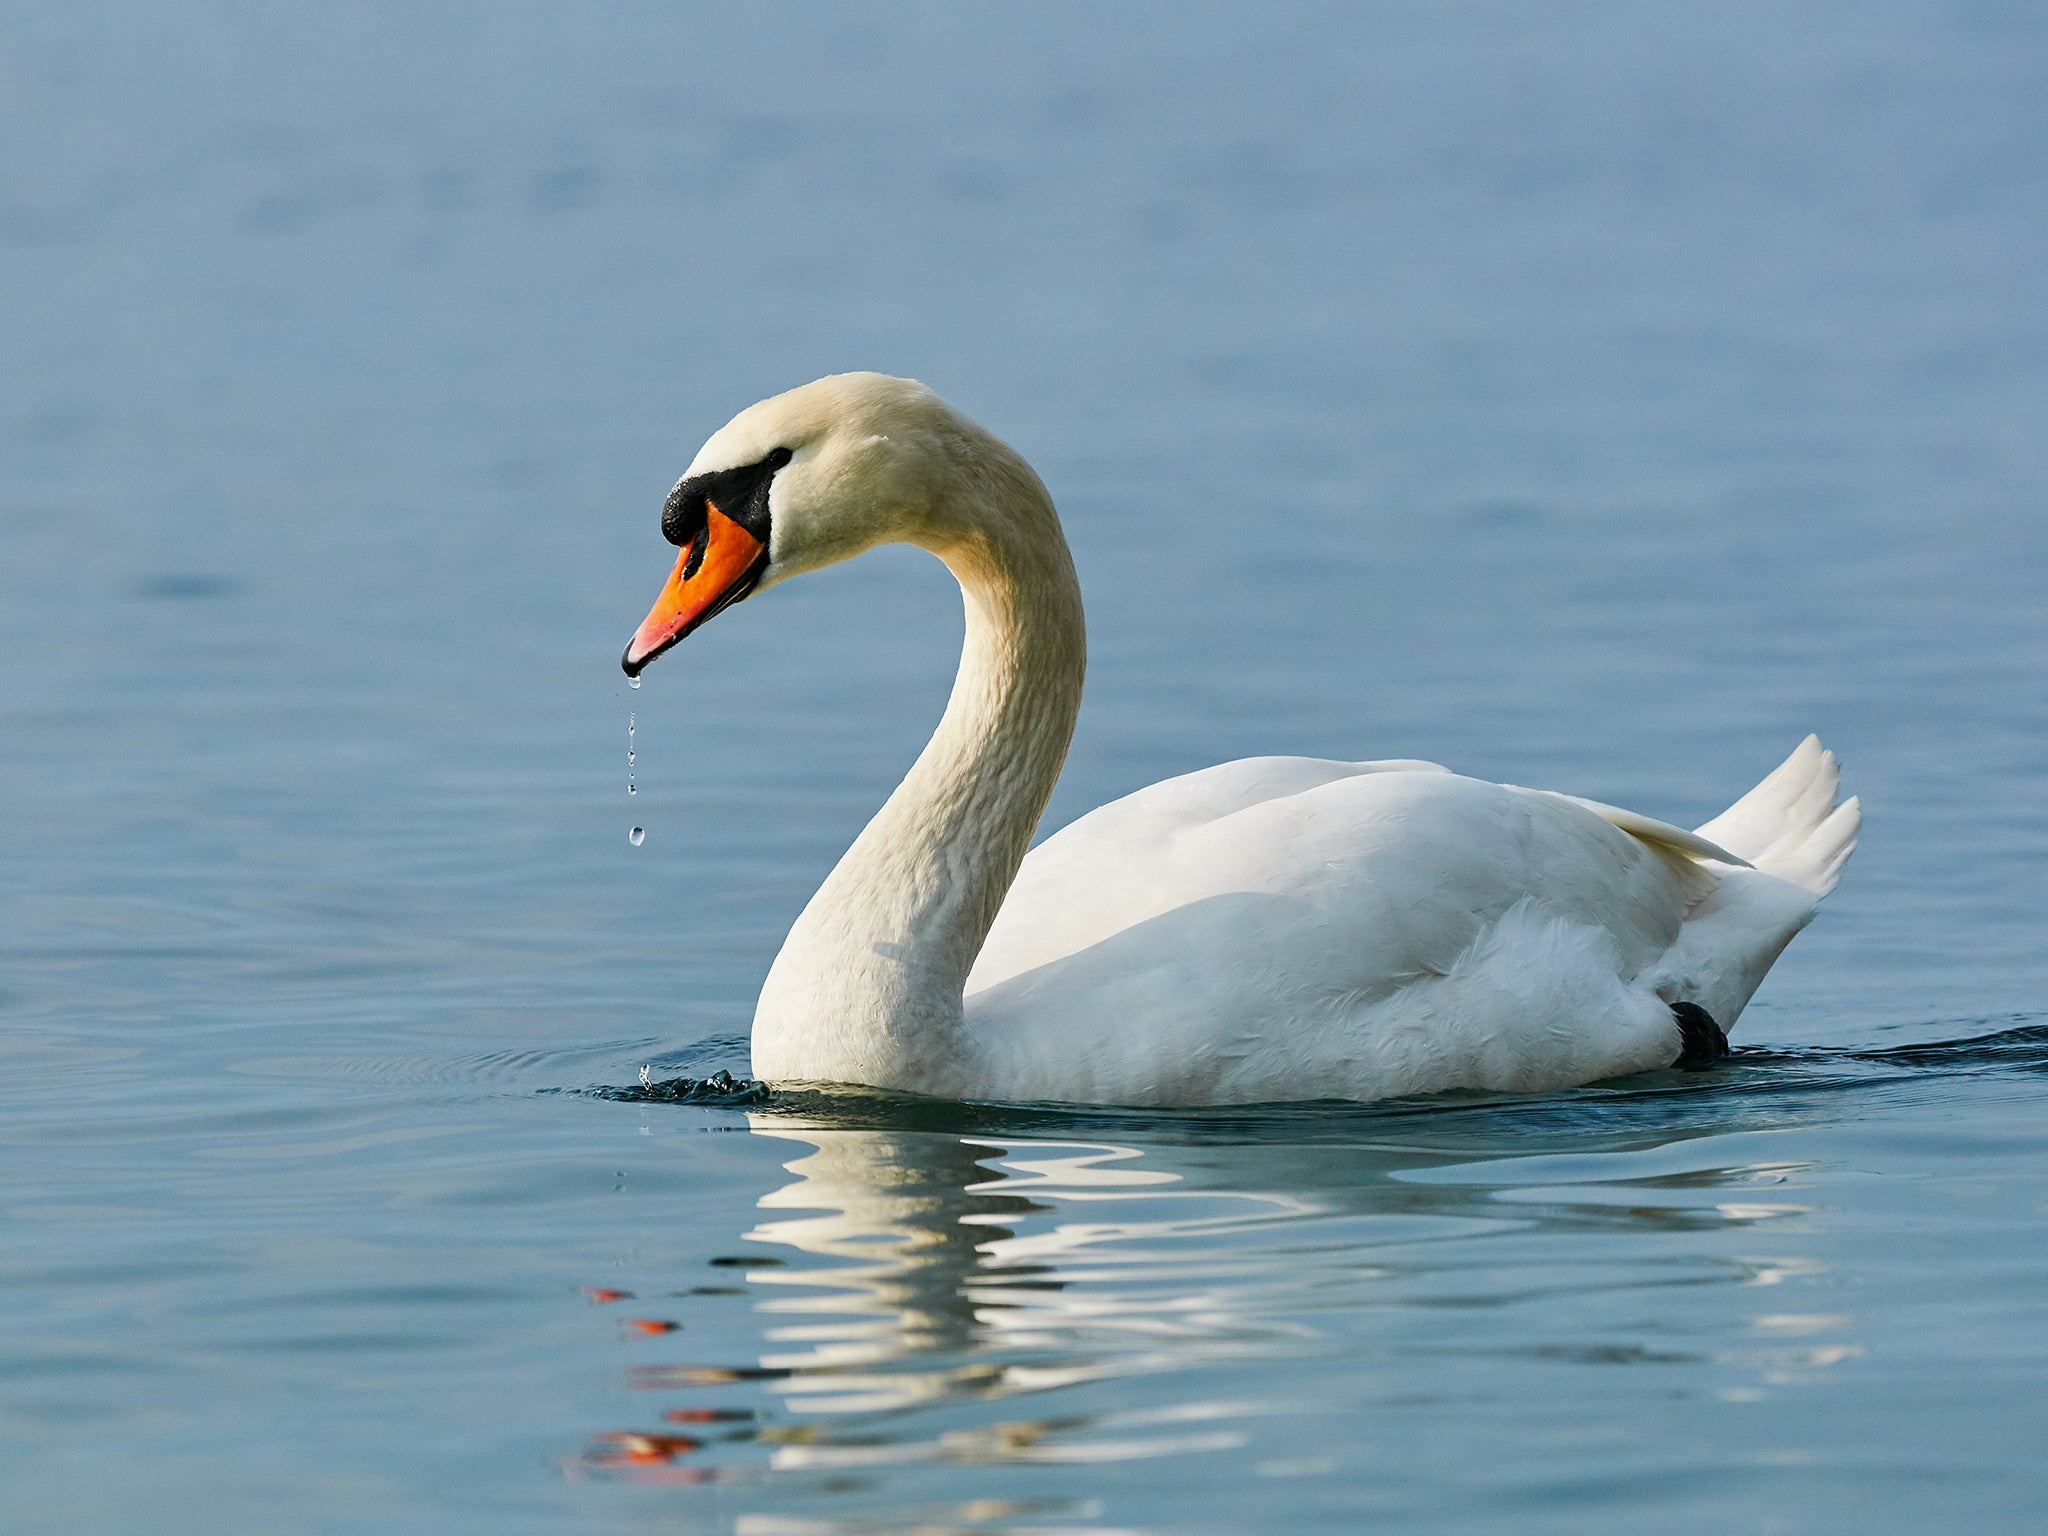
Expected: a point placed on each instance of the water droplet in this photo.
(632, 682)
(632, 788)
(637, 836)
(632, 756)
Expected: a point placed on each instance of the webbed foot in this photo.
(1701, 1040)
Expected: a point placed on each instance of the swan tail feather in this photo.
(1791, 825)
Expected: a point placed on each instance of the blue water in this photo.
(1598, 397)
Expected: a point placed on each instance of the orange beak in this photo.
(718, 567)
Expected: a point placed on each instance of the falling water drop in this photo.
(637, 836)
(631, 789)
(632, 682)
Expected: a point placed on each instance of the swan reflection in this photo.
(963, 1265)
(1262, 1294)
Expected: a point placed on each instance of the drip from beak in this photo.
(718, 567)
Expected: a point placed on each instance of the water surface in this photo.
(1597, 400)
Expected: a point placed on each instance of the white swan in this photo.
(1278, 928)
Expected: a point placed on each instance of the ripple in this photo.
(1744, 1084)
(967, 1283)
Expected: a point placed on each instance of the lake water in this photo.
(1597, 397)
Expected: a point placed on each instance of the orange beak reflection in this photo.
(717, 567)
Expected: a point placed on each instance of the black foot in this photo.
(1701, 1039)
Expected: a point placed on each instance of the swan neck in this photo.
(869, 985)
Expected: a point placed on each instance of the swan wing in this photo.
(1279, 824)
(1141, 855)
(1658, 834)
(1335, 925)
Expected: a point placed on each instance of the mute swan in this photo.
(1278, 928)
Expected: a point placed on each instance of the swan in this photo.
(1272, 929)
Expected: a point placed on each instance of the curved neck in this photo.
(868, 985)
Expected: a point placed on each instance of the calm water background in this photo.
(1596, 396)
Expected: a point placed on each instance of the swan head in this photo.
(800, 481)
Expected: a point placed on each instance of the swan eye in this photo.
(740, 494)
